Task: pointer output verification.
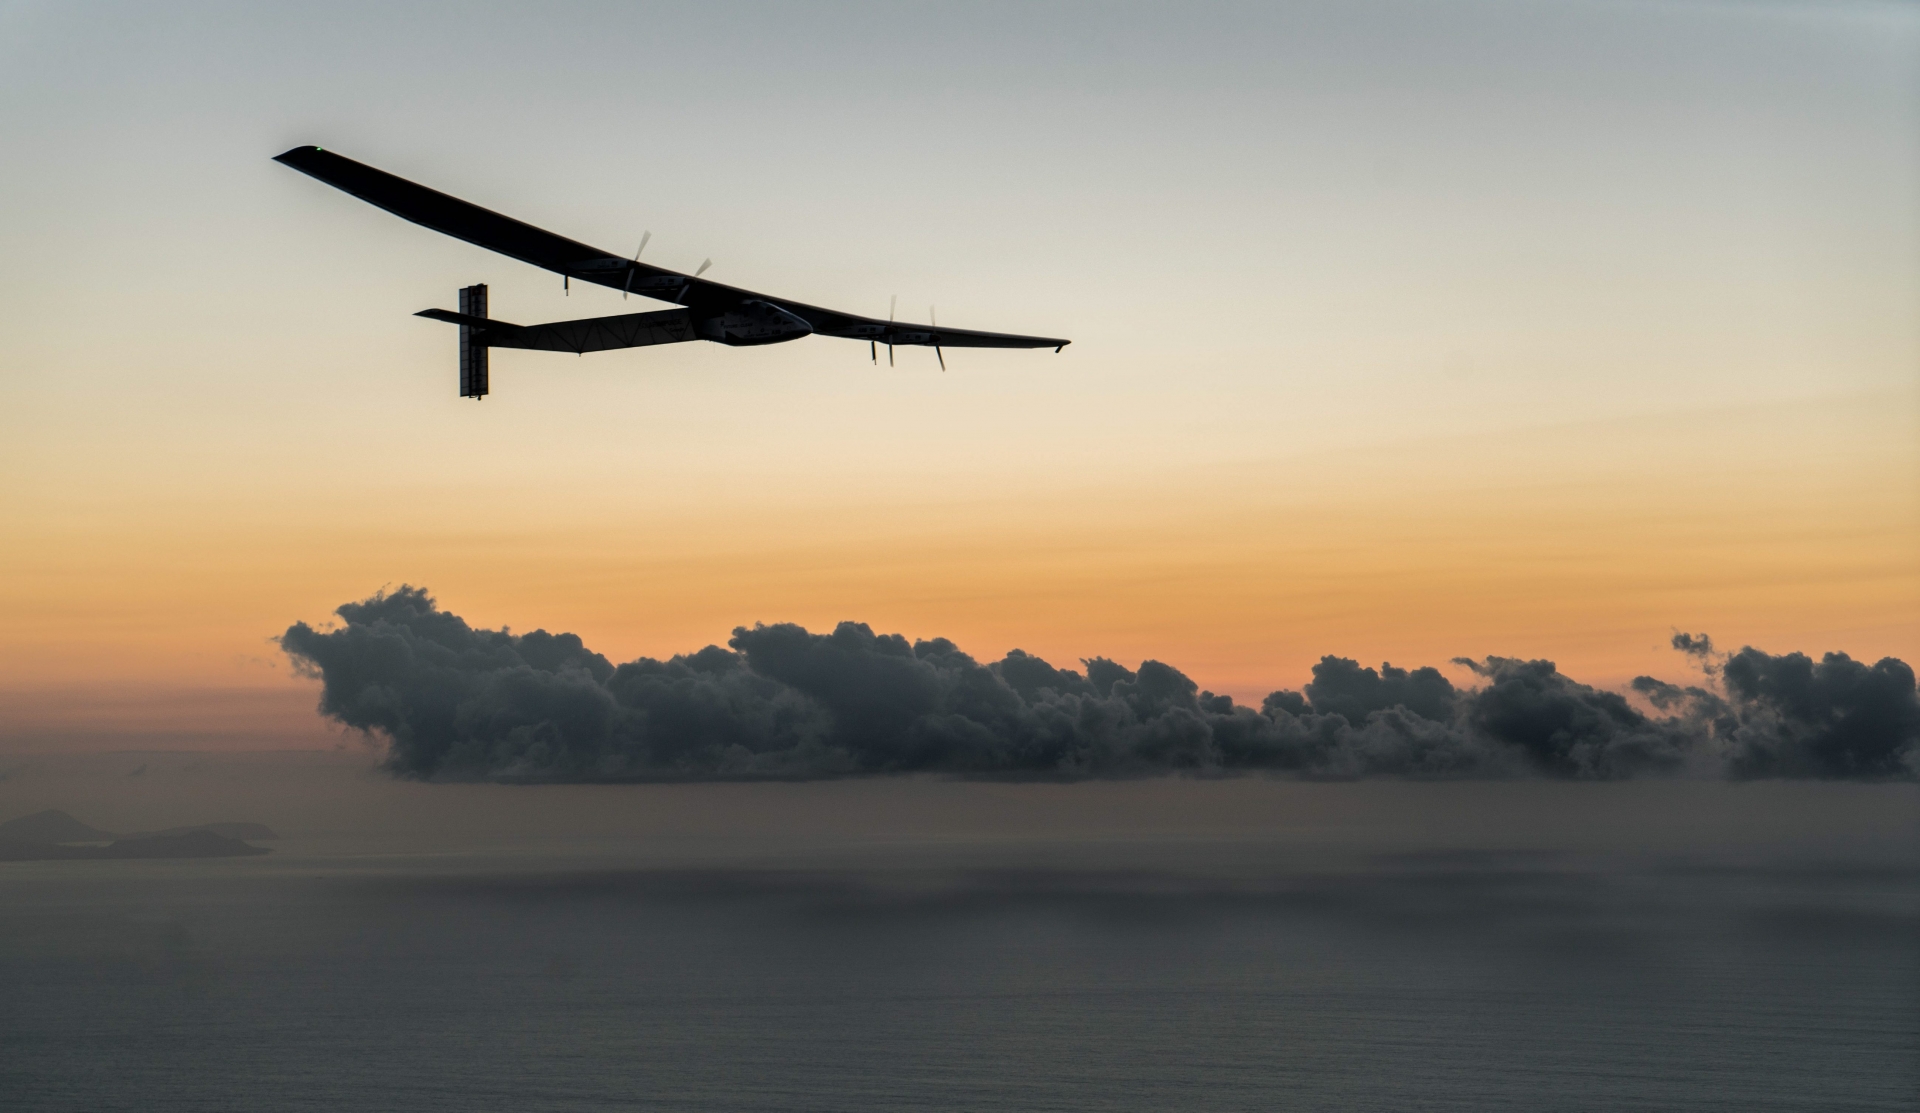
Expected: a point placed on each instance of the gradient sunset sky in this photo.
(1400, 331)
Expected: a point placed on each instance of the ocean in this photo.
(1166, 945)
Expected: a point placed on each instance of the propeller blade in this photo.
(892, 303)
(644, 237)
(703, 268)
(935, 323)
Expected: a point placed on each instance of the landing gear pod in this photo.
(473, 346)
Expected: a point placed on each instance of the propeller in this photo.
(688, 284)
(644, 237)
(892, 303)
(934, 322)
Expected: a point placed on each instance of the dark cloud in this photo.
(1694, 645)
(1342, 687)
(1568, 728)
(1791, 716)
(1794, 717)
(454, 702)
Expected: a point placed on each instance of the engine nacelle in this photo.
(632, 282)
(752, 322)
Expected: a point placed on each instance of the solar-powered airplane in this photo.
(708, 310)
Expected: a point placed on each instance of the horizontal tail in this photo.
(478, 332)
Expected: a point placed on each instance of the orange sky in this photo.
(1586, 543)
(1445, 350)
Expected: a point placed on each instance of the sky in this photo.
(1401, 331)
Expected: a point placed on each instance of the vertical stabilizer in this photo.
(473, 346)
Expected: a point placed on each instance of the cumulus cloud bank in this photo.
(454, 702)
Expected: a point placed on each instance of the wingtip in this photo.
(292, 156)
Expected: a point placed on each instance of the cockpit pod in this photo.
(752, 321)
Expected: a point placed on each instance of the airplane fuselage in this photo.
(749, 322)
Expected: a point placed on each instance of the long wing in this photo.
(488, 229)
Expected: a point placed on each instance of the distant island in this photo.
(55, 835)
(224, 830)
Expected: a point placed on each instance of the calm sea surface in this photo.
(1197, 976)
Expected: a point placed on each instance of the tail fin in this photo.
(473, 350)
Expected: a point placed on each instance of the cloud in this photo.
(1788, 715)
(1837, 717)
(454, 702)
(1569, 729)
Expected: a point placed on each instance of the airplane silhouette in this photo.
(707, 310)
